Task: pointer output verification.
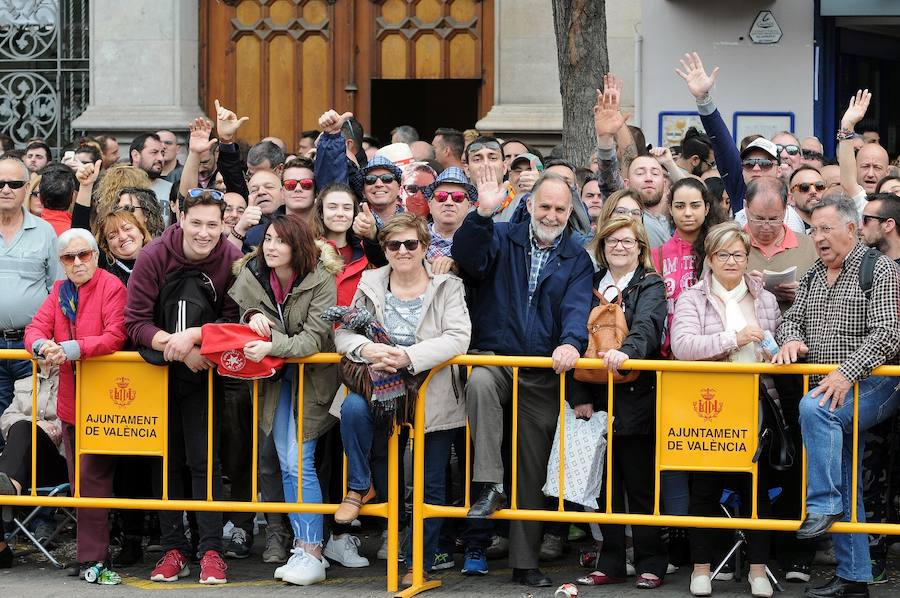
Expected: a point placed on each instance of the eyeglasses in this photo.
(83, 256)
(128, 208)
(413, 189)
(723, 256)
(805, 187)
(386, 178)
(766, 221)
(305, 184)
(710, 163)
(791, 149)
(474, 147)
(763, 163)
(198, 191)
(456, 196)
(410, 244)
(825, 230)
(627, 212)
(611, 242)
(867, 217)
(12, 184)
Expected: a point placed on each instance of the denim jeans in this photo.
(828, 438)
(357, 431)
(675, 492)
(307, 526)
(10, 371)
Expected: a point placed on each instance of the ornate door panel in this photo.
(284, 62)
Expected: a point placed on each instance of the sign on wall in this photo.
(673, 125)
(766, 124)
(765, 29)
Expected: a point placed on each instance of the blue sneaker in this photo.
(475, 562)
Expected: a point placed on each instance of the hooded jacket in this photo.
(156, 260)
(298, 331)
(443, 332)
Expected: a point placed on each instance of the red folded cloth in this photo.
(224, 345)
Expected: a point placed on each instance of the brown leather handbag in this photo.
(607, 330)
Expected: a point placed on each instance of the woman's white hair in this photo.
(75, 233)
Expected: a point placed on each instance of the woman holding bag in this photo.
(622, 252)
(723, 318)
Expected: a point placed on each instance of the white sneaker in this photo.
(303, 570)
(629, 569)
(279, 572)
(382, 552)
(345, 550)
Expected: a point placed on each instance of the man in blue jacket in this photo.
(532, 291)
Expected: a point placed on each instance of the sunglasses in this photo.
(198, 191)
(305, 184)
(413, 189)
(410, 244)
(805, 187)
(12, 184)
(763, 163)
(791, 149)
(128, 208)
(83, 256)
(456, 196)
(867, 217)
(386, 178)
(474, 147)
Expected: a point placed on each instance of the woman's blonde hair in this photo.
(113, 220)
(114, 180)
(32, 185)
(722, 235)
(620, 222)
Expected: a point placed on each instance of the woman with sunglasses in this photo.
(425, 316)
(622, 252)
(723, 318)
(33, 196)
(283, 288)
(82, 317)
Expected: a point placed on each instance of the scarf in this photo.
(280, 294)
(735, 320)
(68, 300)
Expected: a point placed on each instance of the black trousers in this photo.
(633, 470)
(15, 460)
(188, 417)
(237, 454)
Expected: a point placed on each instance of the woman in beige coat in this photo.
(425, 316)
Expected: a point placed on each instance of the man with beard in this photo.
(148, 153)
(696, 153)
(647, 177)
(806, 187)
(533, 287)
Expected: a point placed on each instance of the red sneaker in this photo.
(171, 567)
(212, 568)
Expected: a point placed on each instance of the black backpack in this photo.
(188, 298)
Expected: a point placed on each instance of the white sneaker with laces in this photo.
(303, 570)
(344, 549)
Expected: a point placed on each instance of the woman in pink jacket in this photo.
(82, 317)
(723, 318)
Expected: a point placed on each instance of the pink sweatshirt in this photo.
(675, 262)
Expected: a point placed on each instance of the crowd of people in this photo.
(403, 255)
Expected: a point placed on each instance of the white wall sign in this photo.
(765, 29)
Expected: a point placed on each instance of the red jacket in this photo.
(348, 278)
(99, 329)
(60, 220)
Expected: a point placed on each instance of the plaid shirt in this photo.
(439, 246)
(840, 324)
(539, 258)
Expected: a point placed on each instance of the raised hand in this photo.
(698, 81)
(331, 121)
(663, 154)
(227, 123)
(608, 118)
(856, 111)
(364, 223)
(490, 194)
(87, 173)
(199, 141)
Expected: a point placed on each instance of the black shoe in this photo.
(839, 588)
(76, 569)
(531, 577)
(6, 557)
(132, 552)
(815, 526)
(489, 501)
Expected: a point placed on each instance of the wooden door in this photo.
(284, 62)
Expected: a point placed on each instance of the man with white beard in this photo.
(532, 295)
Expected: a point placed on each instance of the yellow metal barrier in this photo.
(423, 511)
(117, 383)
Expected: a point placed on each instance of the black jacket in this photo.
(634, 409)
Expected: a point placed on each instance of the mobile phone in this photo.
(68, 156)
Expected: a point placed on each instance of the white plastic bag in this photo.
(585, 453)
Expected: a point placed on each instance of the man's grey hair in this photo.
(25, 174)
(845, 207)
(265, 150)
(76, 233)
(766, 184)
(549, 176)
(404, 134)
